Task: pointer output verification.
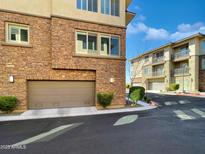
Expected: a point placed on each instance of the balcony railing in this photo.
(158, 59)
(181, 54)
(158, 73)
(181, 71)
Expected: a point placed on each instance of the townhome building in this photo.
(61, 53)
(181, 62)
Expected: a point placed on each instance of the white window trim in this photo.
(18, 26)
(105, 36)
(110, 36)
(99, 35)
(87, 50)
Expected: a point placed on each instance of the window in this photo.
(97, 44)
(81, 42)
(146, 58)
(146, 71)
(203, 47)
(115, 10)
(160, 54)
(110, 45)
(115, 46)
(86, 43)
(92, 43)
(17, 34)
(89, 5)
(105, 45)
(203, 64)
(110, 7)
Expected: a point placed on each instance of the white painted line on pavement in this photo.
(199, 112)
(183, 116)
(43, 135)
(126, 120)
(184, 102)
(170, 103)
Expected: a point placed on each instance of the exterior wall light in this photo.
(112, 80)
(11, 78)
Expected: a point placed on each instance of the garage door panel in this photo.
(156, 85)
(52, 94)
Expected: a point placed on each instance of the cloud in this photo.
(136, 28)
(151, 33)
(137, 7)
(156, 34)
(141, 18)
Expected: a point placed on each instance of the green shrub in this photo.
(8, 103)
(174, 87)
(105, 99)
(141, 92)
(135, 95)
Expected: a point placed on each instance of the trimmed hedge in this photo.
(105, 99)
(136, 93)
(8, 103)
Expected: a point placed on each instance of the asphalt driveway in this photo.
(177, 127)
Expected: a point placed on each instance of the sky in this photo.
(158, 22)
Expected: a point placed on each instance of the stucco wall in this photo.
(64, 8)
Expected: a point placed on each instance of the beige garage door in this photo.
(57, 94)
(156, 85)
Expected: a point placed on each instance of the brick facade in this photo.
(51, 56)
(201, 75)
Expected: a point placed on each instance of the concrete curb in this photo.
(71, 112)
(179, 94)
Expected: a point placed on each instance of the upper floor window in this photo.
(16, 33)
(89, 5)
(110, 45)
(110, 7)
(160, 54)
(203, 46)
(146, 71)
(203, 64)
(146, 58)
(88, 43)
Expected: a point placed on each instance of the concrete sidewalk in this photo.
(200, 94)
(71, 112)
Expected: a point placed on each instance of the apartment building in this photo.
(181, 62)
(61, 53)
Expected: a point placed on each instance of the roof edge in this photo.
(168, 44)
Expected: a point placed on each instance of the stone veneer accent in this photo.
(51, 56)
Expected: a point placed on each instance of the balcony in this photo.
(158, 60)
(181, 55)
(158, 73)
(181, 71)
(155, 74)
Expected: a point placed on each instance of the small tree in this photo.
(134, 70)
(136, 93)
